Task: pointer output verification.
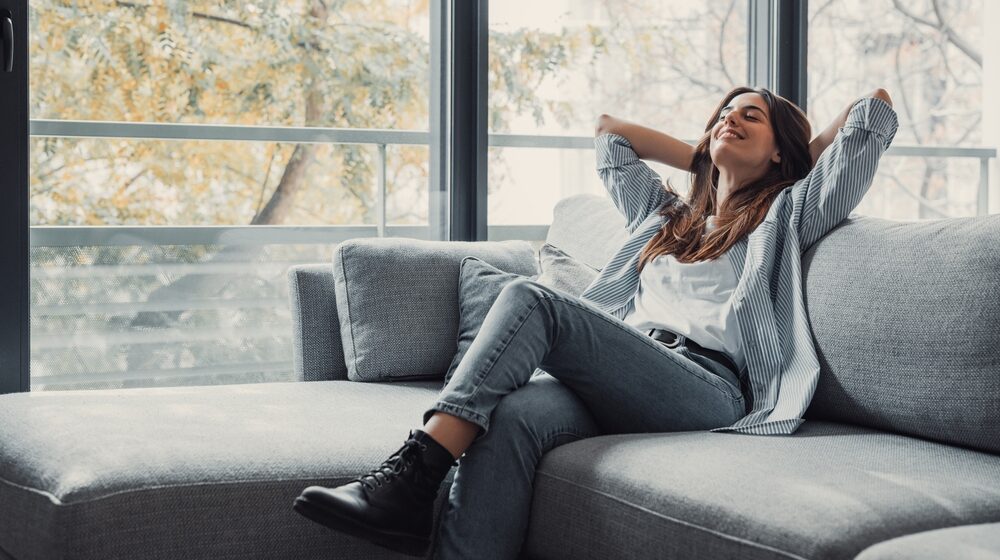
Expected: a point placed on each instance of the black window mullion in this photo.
(792, 30)
(14, 336)
(777, 53)
(468, 143)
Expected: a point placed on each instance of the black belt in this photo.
(671, 339)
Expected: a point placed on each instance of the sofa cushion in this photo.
(906, 321)
(563, 272)
(479, 284)
(969, 542)
(193, 472)
(589, 227)
(397, 302)
(828, 491)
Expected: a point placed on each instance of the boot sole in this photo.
(407, 544)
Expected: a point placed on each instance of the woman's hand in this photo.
(826, 137)
(648, 143)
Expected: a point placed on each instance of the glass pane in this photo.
(532, 190)
(938, 87)
(892, 197)
(159, 315)
(157, 261)
(354, 64)
(117, 182)
(556, 66)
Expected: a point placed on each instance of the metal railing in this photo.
(104, 236)
(62, 236)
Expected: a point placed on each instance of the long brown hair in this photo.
(744, 209)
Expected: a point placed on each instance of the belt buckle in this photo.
(667, 338)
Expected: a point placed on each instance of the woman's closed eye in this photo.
(750, 117)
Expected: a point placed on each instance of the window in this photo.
(932, 59)
(185, 154)
(554, 67)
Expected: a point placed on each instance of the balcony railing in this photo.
(91, 353)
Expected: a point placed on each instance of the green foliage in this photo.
(357, 64)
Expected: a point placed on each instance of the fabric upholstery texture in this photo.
(397, 302)
(827, 491)
(193, 472)
(972, 542)
(563, 272)
(906, 321)
(479, 284)
(316, 348)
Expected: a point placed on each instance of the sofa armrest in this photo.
(316, 348)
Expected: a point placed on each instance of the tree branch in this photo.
(959, 42)
(722, 39)
(929, 204)
(902, 95)
(200, 15)
(263, 184)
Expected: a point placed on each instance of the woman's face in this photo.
(742, 136)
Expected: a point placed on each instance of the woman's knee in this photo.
(542, 408)
(523, 288)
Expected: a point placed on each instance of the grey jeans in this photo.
(547, 369)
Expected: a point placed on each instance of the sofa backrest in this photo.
(905, 318)
(906, 322)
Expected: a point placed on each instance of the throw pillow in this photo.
(397, 302)
(562, 272)
(479, 284)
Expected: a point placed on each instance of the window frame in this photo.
(457, 137)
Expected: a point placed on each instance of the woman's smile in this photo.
(729, 134)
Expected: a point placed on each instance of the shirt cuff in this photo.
(875, 115)
(613, 150)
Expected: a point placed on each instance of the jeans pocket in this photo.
(724, 375)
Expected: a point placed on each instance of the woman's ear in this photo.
(776, 158)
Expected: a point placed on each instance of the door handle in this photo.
(7, 29)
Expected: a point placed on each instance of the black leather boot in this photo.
(392, 505)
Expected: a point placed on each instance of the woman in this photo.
(721, 268)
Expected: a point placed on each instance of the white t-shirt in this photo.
(692, 299)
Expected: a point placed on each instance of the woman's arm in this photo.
(844, 171)
(648, 143)
(826, 137)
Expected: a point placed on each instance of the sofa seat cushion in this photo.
(970, 542)
(828, 491)
(193, 472)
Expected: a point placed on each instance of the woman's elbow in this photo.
(603, 125)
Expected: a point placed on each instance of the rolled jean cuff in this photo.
(462, 412)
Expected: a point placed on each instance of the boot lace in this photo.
(392, 467)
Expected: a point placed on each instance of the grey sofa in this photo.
(899, 458)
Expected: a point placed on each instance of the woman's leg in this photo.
(487, 511)
(629, 382)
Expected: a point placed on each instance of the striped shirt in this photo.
(781, 360)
